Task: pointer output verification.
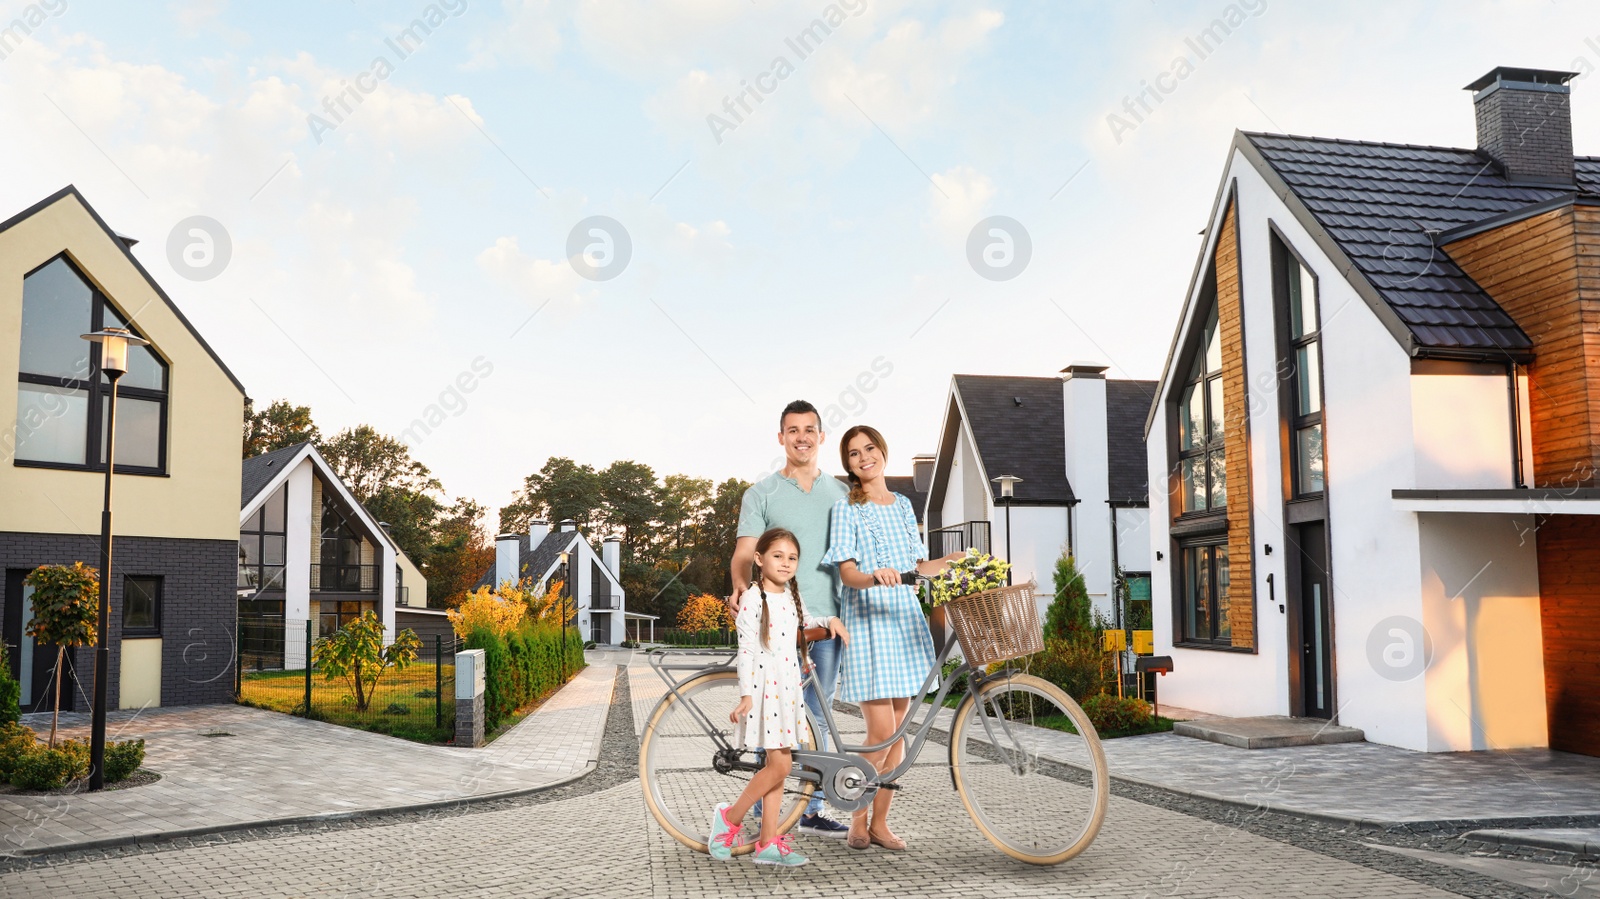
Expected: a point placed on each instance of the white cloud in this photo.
(956, 201)
(529, 34)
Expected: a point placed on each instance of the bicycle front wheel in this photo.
(1030, 770)
(680, 770)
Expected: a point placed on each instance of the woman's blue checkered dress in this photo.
(890, 651)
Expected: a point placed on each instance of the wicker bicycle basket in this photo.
(997, 625)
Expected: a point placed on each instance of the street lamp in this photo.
(566, 591)
(114, 343)
(1008, 484)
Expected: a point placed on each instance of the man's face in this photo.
(801, 436)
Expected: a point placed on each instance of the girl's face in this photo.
(780, 561)
(865, 458)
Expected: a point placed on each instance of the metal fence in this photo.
(958, 538)
(415, 703)
(677, 636)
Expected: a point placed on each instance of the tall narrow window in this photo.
(63, 397)
(1200, 428)
(261, 545)
(1205, 594)
(342, 570)
(1305, 424)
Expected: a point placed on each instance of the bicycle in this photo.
(1023, 756)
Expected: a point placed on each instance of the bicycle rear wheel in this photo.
(678, 761)
(1030, 770)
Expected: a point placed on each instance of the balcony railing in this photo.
(605, 603)
(959, 538)
(332, 578)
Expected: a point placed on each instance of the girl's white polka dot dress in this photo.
(770, 675)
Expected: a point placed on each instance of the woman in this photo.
(872, 538)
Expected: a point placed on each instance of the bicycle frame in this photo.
(848, 780)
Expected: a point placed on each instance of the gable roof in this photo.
(259, 471)
(1018, 426)
(1127, 473)
(1378, 210)
(535, 562)
(123, 244)
(906, 486)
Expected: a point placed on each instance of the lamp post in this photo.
(1008, 484)
(566, 591)
(114, 343)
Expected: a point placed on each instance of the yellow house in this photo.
(65, 272)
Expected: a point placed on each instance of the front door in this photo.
(1314, 604)
(599, 632)
(32, 666)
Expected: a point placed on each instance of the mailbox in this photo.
(1158, 664)
(1144, 642)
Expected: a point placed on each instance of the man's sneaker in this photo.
(779, 852)
(822, 826)
(725, 837)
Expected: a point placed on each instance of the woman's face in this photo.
(865, 458)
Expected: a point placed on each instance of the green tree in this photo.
(10, 692)
(277, 426)
(685, 502)
(632, 505)
(1068, 617)
(714, 536)
(460, 553)
(397, 489)
(356, 654)
(65, 613)
(560, 490)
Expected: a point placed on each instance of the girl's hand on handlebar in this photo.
(836, 629)
(887, 577)
(740, 710)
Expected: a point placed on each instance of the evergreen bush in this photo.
(10, 692)
(123, 757)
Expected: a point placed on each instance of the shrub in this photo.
(397, 708)
(357, 655)
(15, 741)
(521, 666)
(123, 757)
(1114, 714)
(1068, 614)
(78, 751)
(43, 768)
(426, 693)
(485, 610)
(704, 612)
(10, 692)
(1074, 665)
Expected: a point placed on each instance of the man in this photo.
(799, 497)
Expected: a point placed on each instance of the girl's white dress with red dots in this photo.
(770, 675)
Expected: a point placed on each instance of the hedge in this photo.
(521, 667)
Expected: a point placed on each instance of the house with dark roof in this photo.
(1372, 449)
(1076, 445)
(312, 559)
(64, 272)
(591, 580)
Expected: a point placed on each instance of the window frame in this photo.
(156, 601)
(261, 535)
(1182, 636)
(98, 390)
(1294, 266)
(1211, 450)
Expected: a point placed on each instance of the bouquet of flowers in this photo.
(972, 573)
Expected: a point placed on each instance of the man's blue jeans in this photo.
(824, 683)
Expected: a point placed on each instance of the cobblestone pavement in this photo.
(232, 766)
(594, 838)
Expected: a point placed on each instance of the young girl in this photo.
(768, 714)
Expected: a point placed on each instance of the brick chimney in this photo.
(507, 557)
(611, 555)
(538, 529)
(1525, 123)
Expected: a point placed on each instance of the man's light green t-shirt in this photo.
(778, 502)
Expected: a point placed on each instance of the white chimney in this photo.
(611, 555)
(507, 557)
(538, 529)
(567, 525)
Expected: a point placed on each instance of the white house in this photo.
(1372, 445)
(310, 555)
(1076, 442)
(592, 580)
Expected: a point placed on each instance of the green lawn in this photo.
(402, 707)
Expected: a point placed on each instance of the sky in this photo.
(635, 229)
